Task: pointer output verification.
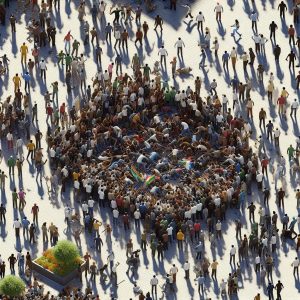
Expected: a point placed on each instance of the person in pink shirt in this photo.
(67, 40)
(110, 70)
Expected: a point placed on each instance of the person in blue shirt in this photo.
(27, 79)
(225, 59)
(21, 262)
(25, 225)
(270, 289)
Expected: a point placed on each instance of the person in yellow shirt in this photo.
(214, 266)
(284, 93)
(75, 176)
(31, 147)
(257, 297)
(17, 82)
(180, 238)
(24, 51)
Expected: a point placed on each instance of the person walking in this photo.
(154, 283)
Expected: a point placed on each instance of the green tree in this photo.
(65, 252)
(12, 286)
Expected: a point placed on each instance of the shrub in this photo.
(12, 286)
(62, 259)
(65, 252)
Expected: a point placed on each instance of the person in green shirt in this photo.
(75, 47)
(61, 55)
(146, 72)
(290, 152)
(68, 60)
(15, 198)
(11, 162)
(172, 93)
(167, 97)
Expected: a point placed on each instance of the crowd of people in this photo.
(171, 165)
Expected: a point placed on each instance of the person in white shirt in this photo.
(162, 52)
(276, 137)
(85, 208)
(232, 254)
(154, 283)
(200, 19)
(225, 102)
(273, 243)
(219, 229)
(295, 264)
(19, 148)
(115, 216)
(68, 214)
(218, 9)
(17, 225)
(186, 268)
(254, 19)
(179, 44)
(257, 263)
(137, 216)
(43, 68)
(294, 107)
(262, 43)
(256, 39)
(91, 203)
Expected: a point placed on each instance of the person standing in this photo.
(254, 19)
(173, 272)
(11, 162)
(154, 283)
(17, 225)
(214, 266)
(35, 212)
(43, 69)
(186, 268)
(273, 27)
(295, 265)
(218, 9)
(294, 107)
(282, 9)
(200, 20)
(24, 51)
(232, 255)
(2, 213)
(291, 58)
(158, 21)
(179, 44)
(162, 52)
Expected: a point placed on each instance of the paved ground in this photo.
(175, 25)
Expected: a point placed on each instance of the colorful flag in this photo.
(150, 179)
(136, 174)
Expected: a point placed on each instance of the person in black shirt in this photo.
(282, 8)
(273, 27)
(279, 286)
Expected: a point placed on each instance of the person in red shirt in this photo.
(67, 40)
(126, 221)
(291, 33)
(281, 102)
(35, 211)
(264, 165)
(197, 228)
(49, 111)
